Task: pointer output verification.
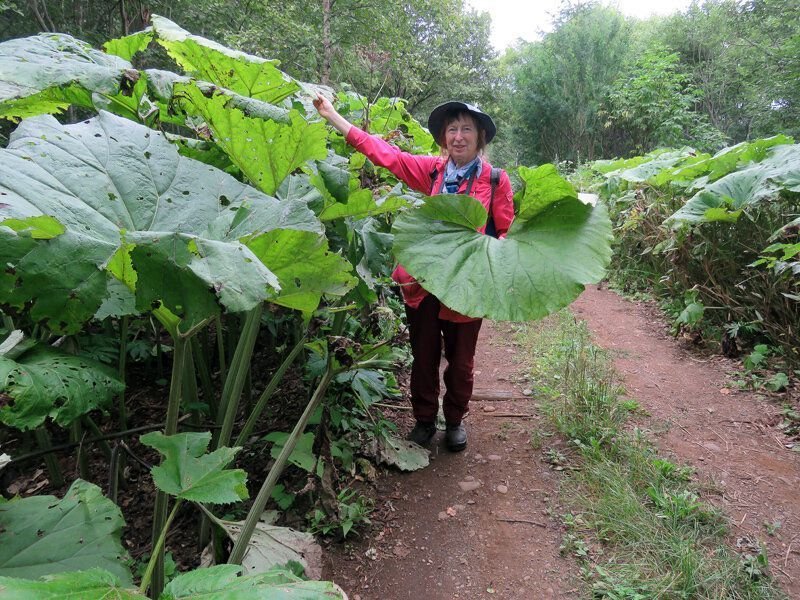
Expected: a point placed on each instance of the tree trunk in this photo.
(327, 47)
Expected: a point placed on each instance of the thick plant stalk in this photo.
(158, 549)
(43, 440)
(103, 445)
(221, 349)
(76, 436)
(264, 494)
(237, 374)
(170, 428)
(277, 377)
(201, 366)
(123, 357)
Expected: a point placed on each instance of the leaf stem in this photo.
(158, 550)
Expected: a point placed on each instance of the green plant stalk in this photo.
(8, 322)
(190, 385)
(158, 550)
(264, 494)
(43, 440)
(76, 436)
(221, 349)
(261, 404)
(201, 366)
(104, 447)
(237, 374)
(123, 358)
(170, 428)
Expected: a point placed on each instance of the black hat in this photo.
(438, 114)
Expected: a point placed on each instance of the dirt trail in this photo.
(433, 540)
(727, 435)
(418, 551)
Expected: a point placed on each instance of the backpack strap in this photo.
(495, 179)
(434, 175)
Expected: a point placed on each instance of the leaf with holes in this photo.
(46, 73)
(42, 535)
(45, 382)
(127, 204)
(242, 73)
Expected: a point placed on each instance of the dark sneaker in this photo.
(455, 437)
(422, 433)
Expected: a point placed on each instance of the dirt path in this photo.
(727, 435)
(433, 540)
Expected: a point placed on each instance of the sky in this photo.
(526, 19)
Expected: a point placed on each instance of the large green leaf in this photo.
(126, 198)
(541, 266)
(725, 199)
(46, 73)
(42, 535)
(93, 584)
(45, 382)
(265, 142)
(128, 46)
(305, 267)
(223, 583)
(242, 73)
(342, 196)
(543, 186)
(187, 472)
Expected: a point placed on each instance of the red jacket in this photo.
(415, 171)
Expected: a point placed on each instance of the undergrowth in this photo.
(638, 523)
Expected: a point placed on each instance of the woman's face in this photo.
(461, 139)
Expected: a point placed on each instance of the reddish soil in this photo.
(432, 540)
(729, 436)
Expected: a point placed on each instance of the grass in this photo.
(638, 523)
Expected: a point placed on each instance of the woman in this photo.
(462, 131)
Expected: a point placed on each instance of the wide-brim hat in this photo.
(438, 114)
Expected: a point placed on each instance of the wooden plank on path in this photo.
(496, 396)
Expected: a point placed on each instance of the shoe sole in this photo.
(456, 447)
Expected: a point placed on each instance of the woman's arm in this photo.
(413, 170)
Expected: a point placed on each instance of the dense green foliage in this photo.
(715, 237)
(602, 85)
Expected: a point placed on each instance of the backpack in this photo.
(495, 179)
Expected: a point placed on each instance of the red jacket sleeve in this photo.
(414, 171)
(503, 206)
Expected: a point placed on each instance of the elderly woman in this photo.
(462, 131)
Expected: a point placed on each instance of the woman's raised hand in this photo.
(328, 112)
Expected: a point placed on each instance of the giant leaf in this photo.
(541, 266)
(242, 73)
(92, 584)
(265, 142)
(124, 196)
(223, 583)
(725, 199)
(48, 72)
(305, 267)
(543, 186)
(187, 472)
(46, 382)
(128, 46)
(42, 535)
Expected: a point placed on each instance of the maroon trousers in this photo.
(428, 332)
